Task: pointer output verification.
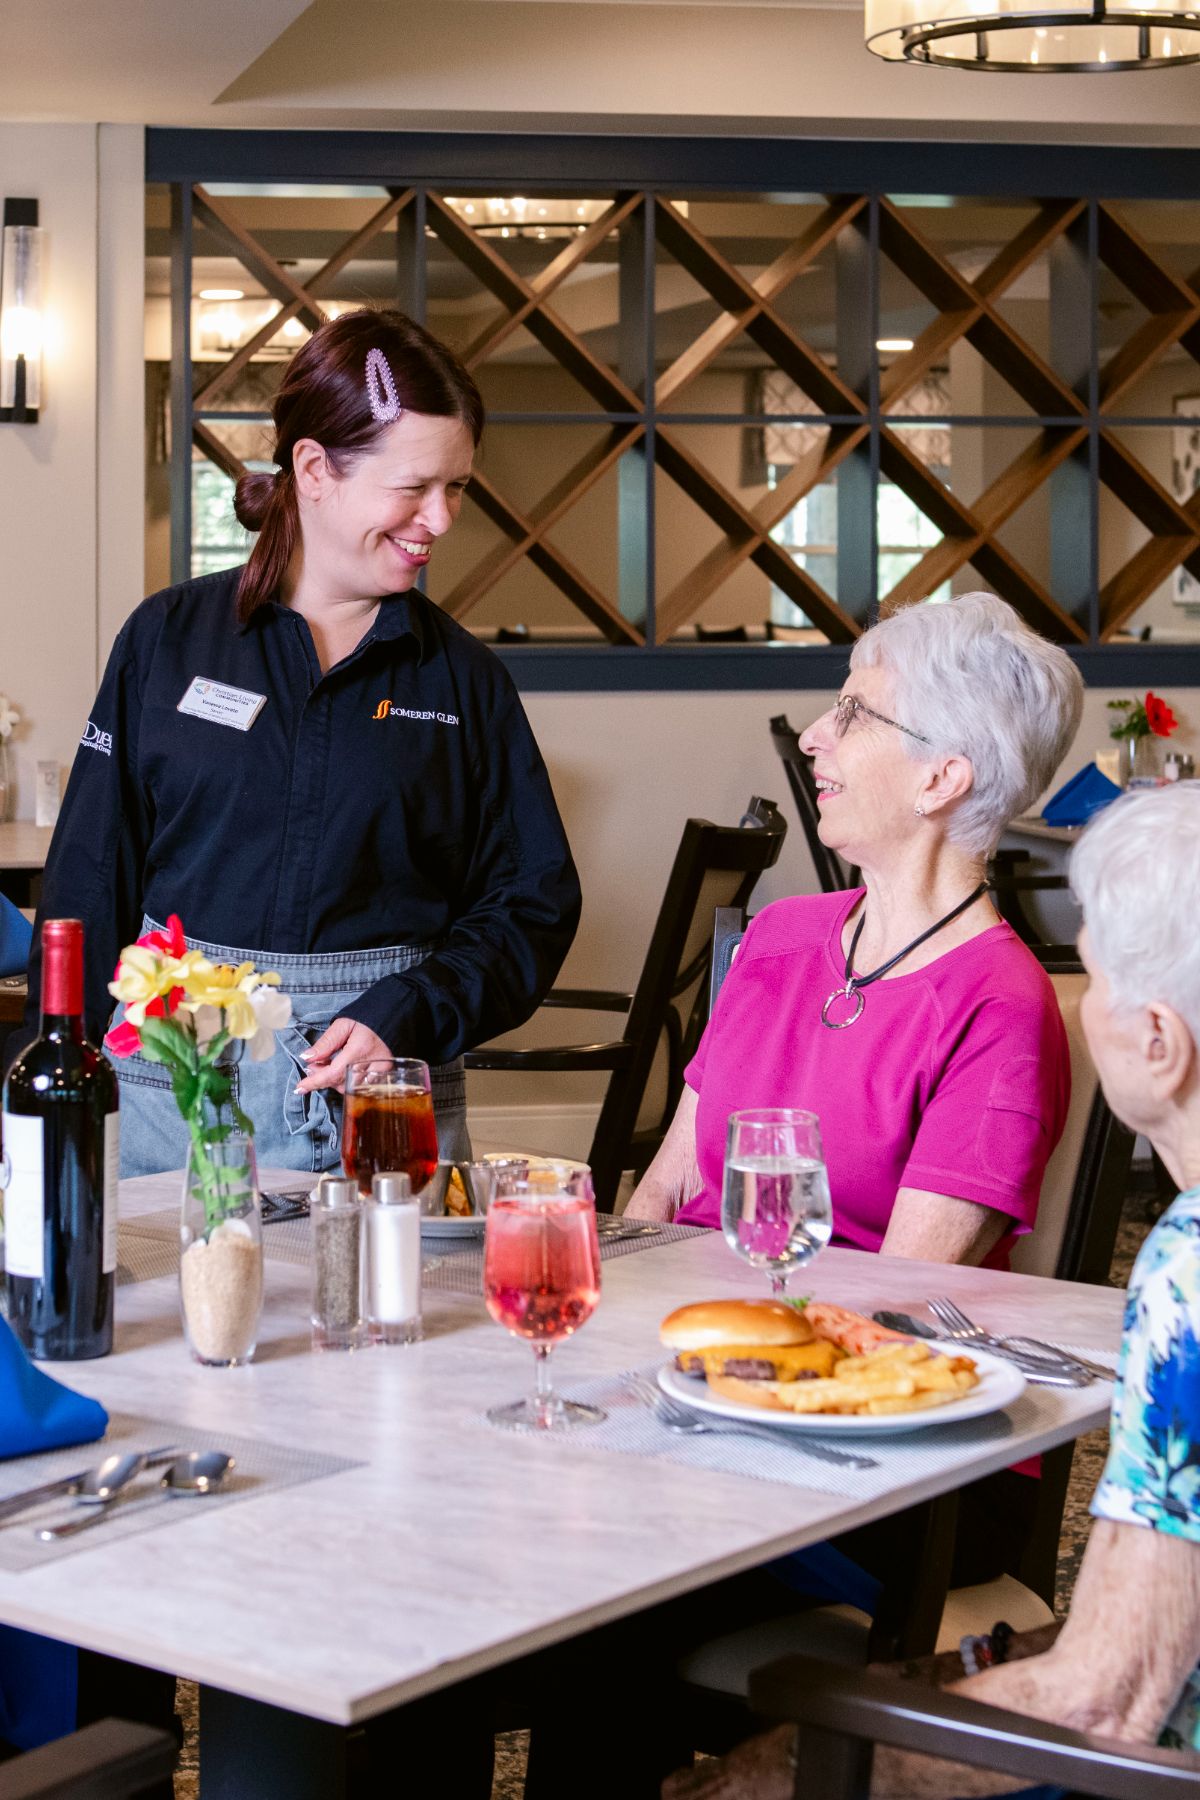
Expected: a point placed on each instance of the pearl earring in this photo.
(920, 811)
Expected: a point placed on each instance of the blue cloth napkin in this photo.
(16, 935)
(38, 1677)
(1079, 799)
(37, 1412)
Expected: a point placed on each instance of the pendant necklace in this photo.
(855, 984)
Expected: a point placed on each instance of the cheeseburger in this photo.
(736, 1342)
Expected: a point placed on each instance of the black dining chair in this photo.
(714, 865)
(832, 873)
(842, 1713)
(111, 1760)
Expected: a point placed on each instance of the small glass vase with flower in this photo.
(196, 1018)
(1139, 728)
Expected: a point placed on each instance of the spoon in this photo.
(91, 1484)
(200, 1472)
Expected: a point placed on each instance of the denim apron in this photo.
(291, 1131)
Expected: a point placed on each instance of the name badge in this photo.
(221, 705)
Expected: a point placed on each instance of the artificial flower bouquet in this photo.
(194, 1017)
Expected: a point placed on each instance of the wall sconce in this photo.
(21, 323)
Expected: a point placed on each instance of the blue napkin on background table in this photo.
(16, 936)
(38, 1676)
(1079, 799)
(37, 1412)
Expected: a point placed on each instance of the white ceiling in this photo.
(786, 67)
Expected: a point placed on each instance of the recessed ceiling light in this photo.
(221, 294)
(898, 345)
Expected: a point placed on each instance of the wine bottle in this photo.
(61, 1147)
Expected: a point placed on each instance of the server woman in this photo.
(317, 769)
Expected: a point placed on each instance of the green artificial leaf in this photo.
(162, 1042)
(187, 1090)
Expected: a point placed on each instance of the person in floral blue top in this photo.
(1125, 1664)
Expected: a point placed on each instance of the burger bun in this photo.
(711, 1323)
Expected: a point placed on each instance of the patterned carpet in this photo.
(1141, 1210)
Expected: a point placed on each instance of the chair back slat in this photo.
(832, 873)
(714, 865)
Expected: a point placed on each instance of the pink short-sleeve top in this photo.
(955, 1079)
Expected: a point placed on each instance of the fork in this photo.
(690, 1424)
(962, 1330)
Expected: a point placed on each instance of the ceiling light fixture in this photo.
(1089, 36)
(221, 294)
(894, 346)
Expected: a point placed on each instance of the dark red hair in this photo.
(324, 396)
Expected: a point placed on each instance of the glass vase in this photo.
(221, 1256)
(1147, 761)
(6, 784)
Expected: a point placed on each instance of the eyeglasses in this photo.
(848, 709)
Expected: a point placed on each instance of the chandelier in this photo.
(1033, 36)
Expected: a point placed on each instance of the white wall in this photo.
(71, 485)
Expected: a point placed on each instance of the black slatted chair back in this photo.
(832, 873)
(715, 866)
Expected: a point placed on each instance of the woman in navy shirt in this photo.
(320, 771)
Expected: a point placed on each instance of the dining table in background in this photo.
(375, 1585)
(24, 847)
(1052, 912)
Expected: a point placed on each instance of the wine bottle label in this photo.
(24, 1197)
(112, 1168)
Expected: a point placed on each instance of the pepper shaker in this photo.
(393, 1261)
(336, 1214)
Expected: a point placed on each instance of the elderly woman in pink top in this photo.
(905, 1013)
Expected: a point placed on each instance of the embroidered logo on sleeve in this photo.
(95, 739)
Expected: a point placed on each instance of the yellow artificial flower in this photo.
(221, 985)
(143, 975)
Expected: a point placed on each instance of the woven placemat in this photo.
(259, 1468)
(631, 1428)
(148, 1247)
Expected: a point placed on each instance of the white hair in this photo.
(1136, 874)
(974, 680)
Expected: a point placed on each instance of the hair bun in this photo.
(252, 498)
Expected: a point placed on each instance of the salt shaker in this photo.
(393, 1261)
(336, 1214)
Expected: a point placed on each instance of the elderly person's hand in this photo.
(343, 1043)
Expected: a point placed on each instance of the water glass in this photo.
(541, 1281)
(775, 1209)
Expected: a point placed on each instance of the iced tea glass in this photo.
(387, 1123)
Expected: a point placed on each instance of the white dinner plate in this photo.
(999, 1385)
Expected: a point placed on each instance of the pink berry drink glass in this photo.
(541, 1281)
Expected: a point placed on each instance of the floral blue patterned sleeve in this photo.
(1152, 1476)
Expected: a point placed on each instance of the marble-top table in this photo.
(457, 1547)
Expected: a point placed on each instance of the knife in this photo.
(1035, 1369)
(69, 1484)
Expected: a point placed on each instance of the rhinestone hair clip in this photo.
(381, 389)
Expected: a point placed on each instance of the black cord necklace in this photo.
(855, 984)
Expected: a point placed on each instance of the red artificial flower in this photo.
(125, 1039)
(1159, 717)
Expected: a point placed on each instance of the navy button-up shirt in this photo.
(399, 798)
